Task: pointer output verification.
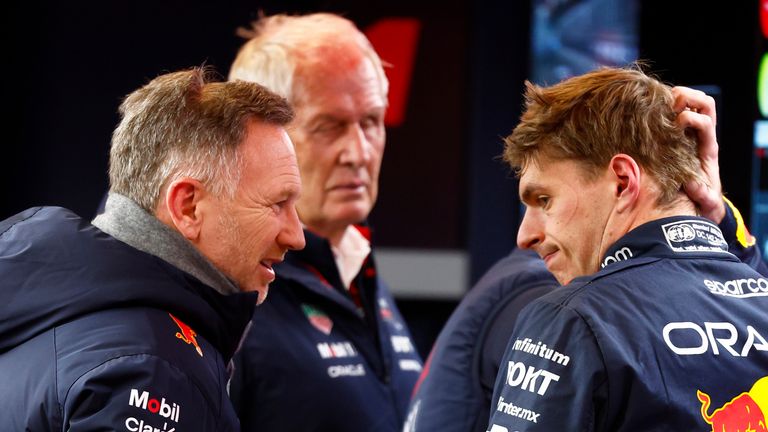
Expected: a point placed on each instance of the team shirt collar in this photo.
(671, 237)
(350, 254)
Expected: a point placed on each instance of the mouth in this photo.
(267, 265)
(548, 257)
(349, 186)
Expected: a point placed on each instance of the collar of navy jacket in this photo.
(314, 267)
(676, 237)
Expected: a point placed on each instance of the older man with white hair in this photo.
(328, 350)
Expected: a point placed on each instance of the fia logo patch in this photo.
(694, 236)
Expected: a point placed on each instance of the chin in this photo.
(353, 213)
(262, 295)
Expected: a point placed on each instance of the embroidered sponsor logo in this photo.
(386, 314)
(402, 344)
(133, 424)
(688, 338)
(346, 370)
(681, 233)
(160, 407)
(410, 365)
(516, 411)
(317, 318)
(745, 412)
(186, 334)
(622, 254)
(336, 350)
(694, 236)
(384, 310)
(541, 350)
(529, 378)
(738, 287)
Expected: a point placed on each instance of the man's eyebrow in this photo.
(289, 191)
(528, 190)
(323, 117)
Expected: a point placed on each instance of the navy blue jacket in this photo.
(455, 387)
(313, 362)
(667, 336)
(96, 335)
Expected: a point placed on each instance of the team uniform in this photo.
(454, 390)
(669, 335)
(320, 357)
(97, 335)
(451, 398)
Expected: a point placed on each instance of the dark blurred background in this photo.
(445, 197)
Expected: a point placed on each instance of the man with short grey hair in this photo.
(129, 323)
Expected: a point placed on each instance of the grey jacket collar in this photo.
(124, 220)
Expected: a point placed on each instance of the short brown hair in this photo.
(592, 117)
(186, 124)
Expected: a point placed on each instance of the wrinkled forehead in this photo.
(329, 69)
(339, 93)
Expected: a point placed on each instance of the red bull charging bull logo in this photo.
(746, 412)
(187, 334)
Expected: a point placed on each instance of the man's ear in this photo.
(181, 207)
(626, 174)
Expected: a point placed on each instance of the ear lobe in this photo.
(181, 200)
(626, 174)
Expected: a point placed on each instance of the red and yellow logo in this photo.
(744, 413)
(187, 334)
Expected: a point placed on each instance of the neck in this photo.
(645, 210)
(650, 211)
(124, 220)
(332, 234)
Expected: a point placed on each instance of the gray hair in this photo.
(185, 124)
(280, 43)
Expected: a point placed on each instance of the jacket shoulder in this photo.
(111, 337)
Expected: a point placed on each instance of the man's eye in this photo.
(327, 127)
(542, 200)
(371, 122)
(278, 206)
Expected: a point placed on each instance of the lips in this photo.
(267, 265)
(548, 257)
(354, 184)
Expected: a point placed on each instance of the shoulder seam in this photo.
(21, 220)
(172, 365)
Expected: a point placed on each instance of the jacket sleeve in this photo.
(740, 242)
(500, 326)
(551, 373)
(137, 393)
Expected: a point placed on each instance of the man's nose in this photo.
(530, 233)
(357, 147)
(292, 236)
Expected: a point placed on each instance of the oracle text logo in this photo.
(688, 338)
